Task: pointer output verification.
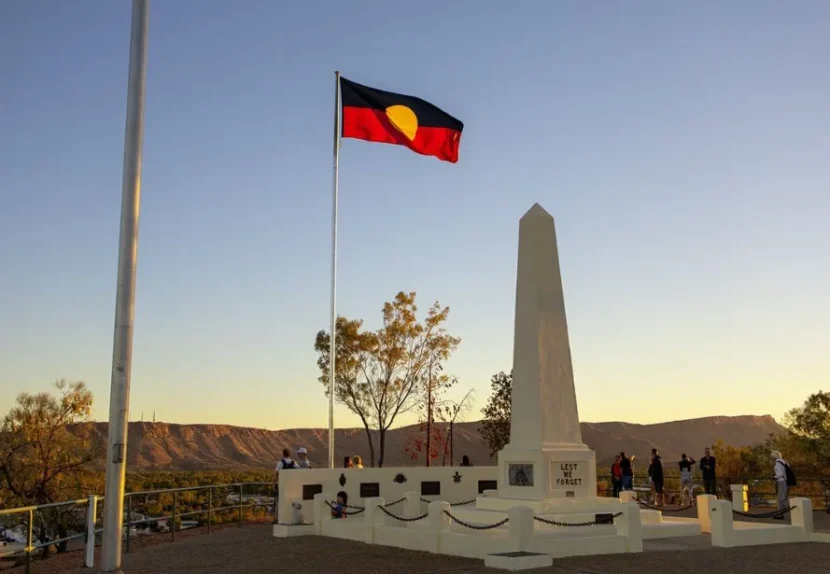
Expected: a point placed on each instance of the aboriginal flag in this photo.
(386, 117)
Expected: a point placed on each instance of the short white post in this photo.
(628, 496)
(412, 504)
(630, 527)
(91, 513)
(520, 528)
(740, 497)
(704, 516)
(373, 517)
(438, 524)
(801, 516)
(322, 511)
(723, 530)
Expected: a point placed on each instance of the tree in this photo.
(495, 428)
(431, 446)
(809, 433)
(744, 461)
(382, 374)
(434, 432)
(41, 460)
(436, 384)
(353, 350)
(451, 413)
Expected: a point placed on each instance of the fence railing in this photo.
(762, 490)
(163, 511)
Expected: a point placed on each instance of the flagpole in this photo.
(125, 293)
(334, 198)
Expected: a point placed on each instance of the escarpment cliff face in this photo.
(165, 446)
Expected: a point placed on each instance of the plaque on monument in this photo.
(369, 489)
(520, 474)
(568, 474)
(487, 485)
(430, 488)
(309, 490)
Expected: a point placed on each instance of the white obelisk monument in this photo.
(546, 458)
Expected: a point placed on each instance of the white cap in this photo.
(301, 450)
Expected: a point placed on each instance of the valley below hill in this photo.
(195, 447)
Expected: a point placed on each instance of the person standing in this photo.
(616, 476)
(784, 478)
(627, 472)
(687, 485)
(708, 467)
(357, 462)
(285, 463)
(657, 478)
(302, 458)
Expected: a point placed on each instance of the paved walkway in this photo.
(253, 549)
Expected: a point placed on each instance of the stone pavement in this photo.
(253, 549)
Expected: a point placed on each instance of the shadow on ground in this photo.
(254, 549)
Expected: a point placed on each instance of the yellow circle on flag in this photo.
(404, 120)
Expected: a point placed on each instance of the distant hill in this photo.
(164, 446)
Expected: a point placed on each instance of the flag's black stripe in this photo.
(357, 95)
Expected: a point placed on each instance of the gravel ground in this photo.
(253, 549)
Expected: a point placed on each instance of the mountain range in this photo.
(167, 446)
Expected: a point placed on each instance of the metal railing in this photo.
(201, 505)
(29, 512)
(761, 489)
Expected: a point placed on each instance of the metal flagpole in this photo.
(334, 197)
(125, 294)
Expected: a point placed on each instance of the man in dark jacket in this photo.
(627, 472)
(708, 467)
(655, 472)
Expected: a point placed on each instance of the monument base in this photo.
(552, 473)
(561, 507)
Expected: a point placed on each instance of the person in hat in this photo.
(302, 458)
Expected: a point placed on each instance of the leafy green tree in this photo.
(809, 434)
(42, 460)
(742, 461)
(495, 428)
(383, 374)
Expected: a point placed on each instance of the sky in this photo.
(682, 148)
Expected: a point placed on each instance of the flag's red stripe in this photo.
(372, 125)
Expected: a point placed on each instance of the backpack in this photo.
(791, 481)
(286, 465)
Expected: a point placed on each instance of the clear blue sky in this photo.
(682, 148)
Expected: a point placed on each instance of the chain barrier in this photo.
(344, 512)
(594, 522)
(466, 502)
(476, 526)
(774, 514)
(663, 508)
(387, 505)
(401, 518)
